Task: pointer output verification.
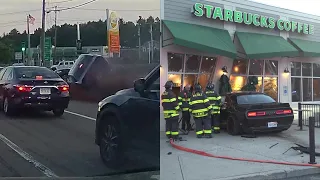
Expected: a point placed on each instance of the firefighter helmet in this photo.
(210, 86)
(197, 88)
(168, 85)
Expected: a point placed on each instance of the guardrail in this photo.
(307, 111)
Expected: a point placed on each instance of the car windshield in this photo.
(80, 66)
(254, 99)
(32, 72)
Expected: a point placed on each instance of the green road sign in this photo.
(47, 49)
(23, 46)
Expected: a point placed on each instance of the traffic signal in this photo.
(79, 45)
(23, 46)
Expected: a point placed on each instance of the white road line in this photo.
(42, 168)
(80, 115)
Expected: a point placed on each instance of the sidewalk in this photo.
(186, 166)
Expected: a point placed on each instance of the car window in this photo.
(32, 72)
(2, 72)
(255, 99)
(71, 63)
(80, 66)
(60, 63)
(6, 74)
(10, 76)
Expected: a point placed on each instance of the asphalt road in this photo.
(34, 144)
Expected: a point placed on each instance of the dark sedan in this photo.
(127, 124)
(32, 87)
(249, 112)
(63, 73)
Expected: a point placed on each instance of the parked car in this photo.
(127, 123)
(32, 87)
(247, 112)
(18, 64)
(63, 73)
(62, 65)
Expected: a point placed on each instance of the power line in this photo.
(80, 5)
(129, 10)
(19, 12)
(65, 1)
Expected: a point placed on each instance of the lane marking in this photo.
(42, 168)
(80, 115)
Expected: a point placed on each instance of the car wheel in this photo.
(111, 150)
(233, 127)
(58, 112)
(7, 107)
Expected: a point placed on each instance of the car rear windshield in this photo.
(32, 72)
(254, 99)
(80, 66)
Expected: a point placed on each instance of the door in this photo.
(2, 82)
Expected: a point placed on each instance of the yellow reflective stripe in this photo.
(219, 97)
(215, 112)
(199, 132)
(179, 98)
(210, 107)
(215, 107)
(206, 100)
(174, 133)
(185, 100)
(185, 109)
(177, 108)
(196, 102)
(169, 111)
(207, 131)
(216, 128)
(168, 132)
(199, 116)
(211, 98)
(180, 103)
(200, 110)
(169, 100)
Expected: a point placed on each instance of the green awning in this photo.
(202, 38)
(257, 46)
(307, 48)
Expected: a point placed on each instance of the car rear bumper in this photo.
(41, 103)
(261, 125)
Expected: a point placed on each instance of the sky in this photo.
(13, 13)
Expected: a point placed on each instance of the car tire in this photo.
(111, 148)
(7, 107)
(58, 112)
(233, 126)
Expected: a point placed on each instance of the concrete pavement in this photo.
(40, 145)
(186, 166)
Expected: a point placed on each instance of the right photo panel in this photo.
(239, 88)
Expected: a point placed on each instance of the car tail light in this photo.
(63, 88)
(23, 88)
(254, 114)
(287, 111)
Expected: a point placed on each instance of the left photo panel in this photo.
(80, 89)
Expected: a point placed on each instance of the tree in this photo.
(6, 53)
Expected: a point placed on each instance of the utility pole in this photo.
(151, 35)
(43, 31)
(29, 39)
(139, 35)
(55, 34)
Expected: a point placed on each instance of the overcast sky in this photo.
(127, 9)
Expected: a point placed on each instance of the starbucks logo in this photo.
(113, 20)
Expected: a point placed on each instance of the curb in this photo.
(276, 175)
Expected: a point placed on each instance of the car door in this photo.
(2, 83)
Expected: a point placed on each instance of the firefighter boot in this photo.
(216, 131)
(208, 135)
(199, 135)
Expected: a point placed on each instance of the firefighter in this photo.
(171, 110)
(215, 101)
(200, 109)
(184, 99)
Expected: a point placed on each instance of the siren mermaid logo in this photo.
(113, 20)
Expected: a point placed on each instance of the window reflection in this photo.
(176, 79)
(175, 62)
(295, 89)
(271, 67)
(259, 85)
(237, 82)
(208, 64)
(255, 67)
(306, 69)
(204, 79)
(295, 68)
(189, 79)
(307, 89)
(240, 67)
(316, 89)
(193, 64)
(316, 70)
(271, 87)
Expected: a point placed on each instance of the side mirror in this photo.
(139, 85)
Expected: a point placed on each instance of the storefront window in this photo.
(295, 69)
(193, 64)
(176, 79)
(307, 89)
(240, 67)
(237, 82)
(189, 79)
(259, 85)
(204, 79)
(306, 69)
(271, 67)
(316, 70)
(175, 62)
(316, 89)
(207, 64)
(271, 87)
(296, 89)
(255, 67)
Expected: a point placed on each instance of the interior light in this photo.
(236, 69)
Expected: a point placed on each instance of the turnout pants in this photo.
(215, 121)
(186, 120)
(203, 125)
(172, 127)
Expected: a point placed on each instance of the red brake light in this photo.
(254, 114)
(23, 88)
(287, 111)
(38, 77)
(63, 88)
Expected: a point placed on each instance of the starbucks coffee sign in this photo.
(211, 12)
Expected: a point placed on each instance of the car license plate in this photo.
(45, 91)
(272, 124)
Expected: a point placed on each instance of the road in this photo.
(37, 144)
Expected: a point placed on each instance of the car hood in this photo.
(128, 92)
